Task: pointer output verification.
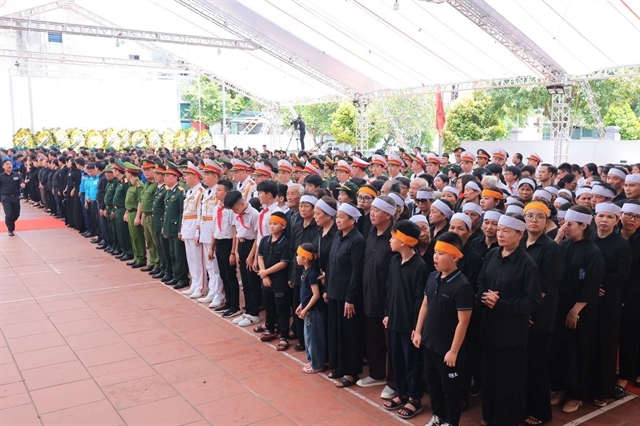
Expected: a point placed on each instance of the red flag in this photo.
(440, 117)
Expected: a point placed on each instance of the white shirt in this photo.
(224, 223)
(247, 223)
(191, 213)
(262, 227)
(208, 206)
(247, 187)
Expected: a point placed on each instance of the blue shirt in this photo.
(91, 186)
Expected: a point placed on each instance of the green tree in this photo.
(317, 119)
(343, 123)
(408, 120)
(622, 115)
(471, 119)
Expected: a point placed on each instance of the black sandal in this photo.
(345, 383)
(532, 421)
(283, 345)
(392, 404)
(409, 412)
(335, 375)
(260, 329)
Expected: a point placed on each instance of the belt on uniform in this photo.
(245, 240)
(207, 218)
(118, 207)
(189, 216)
(146, 212)
(132, 211)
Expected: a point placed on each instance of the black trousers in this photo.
(446, 385)
(164, 252)
(104, 230)
(11, 206)
(345, 342)
(630, 339)
(94, 218)
(228, 274)
(473, 352)
(277, 304)
(571, 358)
(504, 385)
(605, 359)
(405, 358)
(298, 324)
(538, 385)
(250, 280)
(302, 135)
(377, 341)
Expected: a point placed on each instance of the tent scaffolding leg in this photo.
(362, 125)
(560, 126)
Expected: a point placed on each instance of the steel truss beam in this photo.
(560, 126)
(593, 107)
(121, 33)
(239, 29)
(34, 11)
(362, 124)
(175, 58)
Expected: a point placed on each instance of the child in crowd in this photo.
(273, 259)
(312, 309)
(405, 286)
(443, 321)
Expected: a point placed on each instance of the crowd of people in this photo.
(519, 283)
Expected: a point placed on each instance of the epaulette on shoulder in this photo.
(180, 188)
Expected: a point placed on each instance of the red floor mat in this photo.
(34, 224)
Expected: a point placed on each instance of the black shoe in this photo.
(119, 256)
(137, 265)
(133, 262)
(89, 235)
(11, 234)
(155, 272)
(166, 279)
(174, 281)
(101, 246)
(299, 347)
(221, 309)
(181, 285)
(231, 313)
(95, 240)
(147, 269)
(126, 257)
(158, 276)
(117, 253)
(619, 392)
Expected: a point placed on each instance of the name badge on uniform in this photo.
(16, 178)
(582, 273)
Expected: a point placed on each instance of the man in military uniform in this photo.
(134, 216)
(157, 219)
(190, 231)
(122, 231)
(146, 207)
(109, 190)
(173, 205)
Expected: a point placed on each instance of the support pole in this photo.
(33, 129)
(560, 116)
(13, 106)
(362, 125)
(224, 115)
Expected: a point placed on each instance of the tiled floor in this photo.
(88, 341)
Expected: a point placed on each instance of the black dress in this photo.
(617, 256)
(630, 324)
(571, 357)
(74, 205)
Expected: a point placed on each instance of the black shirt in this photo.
(272, 253)
(445, 298)
(546, 253)
(344, 270)
(617, 257)
(480, 246)
(376, 269)
(631, 287)
(102, 186)
(583, 271)
(477, 234)
(517, 279)
(309, 278)
(301, 234)
(470, 265)
(10, 184)
(324, 246)
(405, 289)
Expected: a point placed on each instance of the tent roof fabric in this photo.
(367, 46)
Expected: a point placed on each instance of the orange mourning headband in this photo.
(368, 191)
(448, 249)
(304, 253)
(404, 238)
(493, 194)
(277, 219)
(537, 205)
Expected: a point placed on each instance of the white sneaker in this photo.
(388, 393)
(195, 295)
(188, 292)
(249, 320)
(237, 320)
(368, 382)
(206, 299)
(435, 421)
(216, 303)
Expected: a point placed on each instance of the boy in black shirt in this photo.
(274, 255)
(443, 321)
(404, 295)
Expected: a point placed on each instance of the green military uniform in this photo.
(122, 230)
(109, 191)
(131, 202)
(173, 206)
(146, 203)
(157, 219)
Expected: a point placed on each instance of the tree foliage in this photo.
(409, 120)
(317, 118)
(472, 119)
(205, 101)
(622, 115)
(343, 123)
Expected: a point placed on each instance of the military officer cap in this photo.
(329, 161)
(350, 188)
(298, 166)
(238, 164)
(191, 168)
(316, 162)
(172, 169)
(147, 163)
(131, 168)
(482, 153)
(119, 165)
(109, 168)
(210, 166)
(160, 168)
(458, 150)
(225, 161)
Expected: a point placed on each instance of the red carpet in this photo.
(34, 224)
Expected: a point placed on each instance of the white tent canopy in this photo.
(352, 48)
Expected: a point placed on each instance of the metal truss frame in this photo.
(27, 13)
(125, 34)
(560, 125)
(234, 26)
(362, 124)
(593, 107)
